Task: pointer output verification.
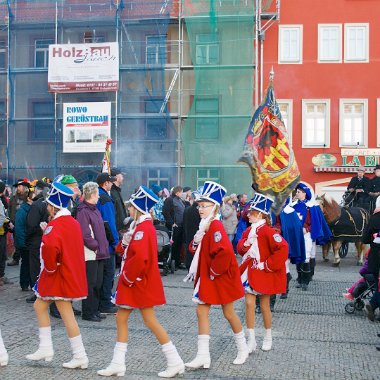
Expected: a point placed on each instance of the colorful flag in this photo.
(106, 163)
(268, 154)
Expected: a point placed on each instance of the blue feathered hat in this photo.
(262, 203)
(212, 192)
(305, 189)
(143, 199)
(59, 195)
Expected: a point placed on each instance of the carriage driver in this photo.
(358, 189)
(374, 188)
(315, 232)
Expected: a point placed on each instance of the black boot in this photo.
(299, 275)
(312, 266)
(54, 311)
(258, 307)
(288, 278)
(305, 276)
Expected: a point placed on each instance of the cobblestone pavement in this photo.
(313, 337)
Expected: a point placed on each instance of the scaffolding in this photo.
(186, 87)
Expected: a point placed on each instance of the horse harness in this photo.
(358, 232)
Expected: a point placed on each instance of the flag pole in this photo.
(271, 75)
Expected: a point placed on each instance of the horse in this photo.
(347, 224)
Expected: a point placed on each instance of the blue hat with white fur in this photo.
(212, 192)
(143, 199)
(59, 195)
(262, 203)
(305, 189)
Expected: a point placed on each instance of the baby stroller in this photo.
(165, 261)
(364, 290)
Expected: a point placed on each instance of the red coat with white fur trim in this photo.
(273, 253)
(217, 259)
(63, 269)
(140, 283)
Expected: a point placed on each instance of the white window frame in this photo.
(158, 178)
(201, 180)
(282, 29)
(342, 102)
(289, 126)
(44, 50)
(321, 28)
(347, 27)
(326, 102)
(378, 122)
(207, 46)
(157, 47)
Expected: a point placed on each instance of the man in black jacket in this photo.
(38, 213)
(117, 198)
(358, 188)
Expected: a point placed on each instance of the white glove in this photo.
(127, 237)
(198, 236)
(260, 266)
(43, 226)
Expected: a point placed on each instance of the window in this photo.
(330, 43)
(290, 44)
(286, 109)
(316, 123)
(207, 121)
(207, 49)
(207, 175)
(3, 54)
(158, 177)
(356, 38)
(41, 52)
(91, 37)
(353, 122)
(155, 127)
(156, 50)
(43, 123)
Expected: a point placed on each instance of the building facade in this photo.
(326, 59)
(185, 97)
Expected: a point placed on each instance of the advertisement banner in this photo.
(83, 67)
(86, 126)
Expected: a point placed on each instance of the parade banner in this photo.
(83, 67)
(268, 154)
(86, 126)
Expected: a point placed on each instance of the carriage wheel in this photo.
(350, 308)
(359, 304)
(343, 250)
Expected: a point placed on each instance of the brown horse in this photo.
(346, 224)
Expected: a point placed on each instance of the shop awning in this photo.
(340, 169)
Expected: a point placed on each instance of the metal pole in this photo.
(257, 53)
(116, 94)
(8, 86)
(179, 97)
(55, 101)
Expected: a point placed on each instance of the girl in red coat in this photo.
(216, 273)
(62, 278)
(140, 286)
(263, 268)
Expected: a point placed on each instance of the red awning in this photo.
(340, 169)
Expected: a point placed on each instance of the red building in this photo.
(326, 59)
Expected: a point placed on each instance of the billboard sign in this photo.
(83, 67)
(86, 126)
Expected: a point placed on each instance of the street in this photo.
(313, 337)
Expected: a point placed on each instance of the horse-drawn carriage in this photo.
(347, 225)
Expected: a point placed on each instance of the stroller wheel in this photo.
(172, 266)
(359, 304)
(350, 308)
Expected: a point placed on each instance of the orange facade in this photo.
(313, 80)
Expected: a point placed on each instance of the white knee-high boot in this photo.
(242, 347)
(45, 349)
(80, 359)
(175, 363)
(117, 366)
(267, 342)
(251, 343)
(3, 353)
(203, 355)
